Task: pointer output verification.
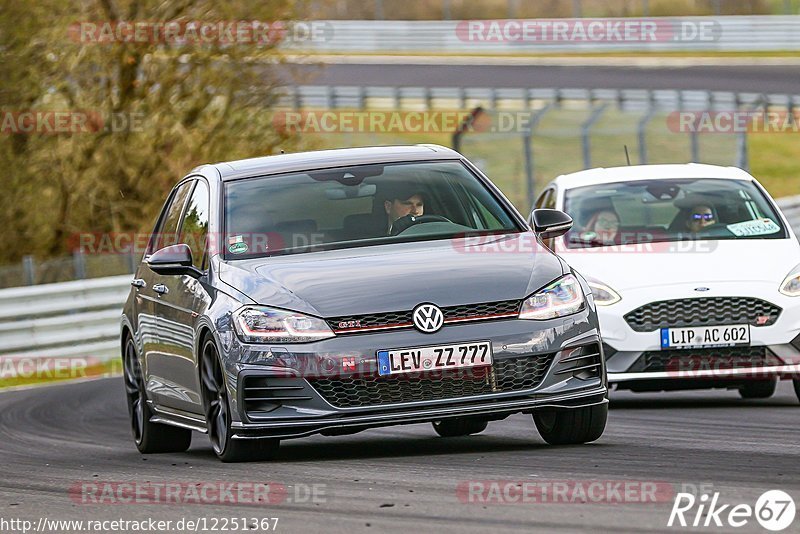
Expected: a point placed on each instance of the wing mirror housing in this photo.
(549, 223)
(174, 260)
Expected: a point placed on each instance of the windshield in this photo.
(669, 210)
(358, 206)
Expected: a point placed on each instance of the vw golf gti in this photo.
(330, 292)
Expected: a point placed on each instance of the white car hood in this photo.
(637, 266)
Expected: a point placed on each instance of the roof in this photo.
(321, 159)
(650, 172)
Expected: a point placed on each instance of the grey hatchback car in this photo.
(335, 291)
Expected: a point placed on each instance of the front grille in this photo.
(352, 324)
(264, 394)
(717, 359)
(516, 374)
(703, 312)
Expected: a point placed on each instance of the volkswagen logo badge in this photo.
(427, 318)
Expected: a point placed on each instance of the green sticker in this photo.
(238, 248)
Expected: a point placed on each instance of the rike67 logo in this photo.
(774, 510)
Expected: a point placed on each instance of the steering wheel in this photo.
(404, 223)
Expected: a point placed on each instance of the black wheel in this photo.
(759, 389)
(571, 426)
(797, 387)
(461, 426)
(149, 437)
(218, 419)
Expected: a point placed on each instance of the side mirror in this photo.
(550, 223)
(174, 259)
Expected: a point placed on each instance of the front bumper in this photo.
(774, 350)
(295, 405)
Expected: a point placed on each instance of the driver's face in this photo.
(699, 218)
(400, 208)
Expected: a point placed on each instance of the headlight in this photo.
(791, 284)
(261, 324)
(603, 295)
(562, 297)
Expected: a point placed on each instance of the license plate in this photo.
(398, 361)
(705, 336)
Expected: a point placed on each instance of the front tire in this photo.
(571, 426)
(218, 419)
(460, 426)
(149, 437)
(759, 389)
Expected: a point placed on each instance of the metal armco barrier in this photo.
(752, 33)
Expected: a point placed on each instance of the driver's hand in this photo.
(402, 223)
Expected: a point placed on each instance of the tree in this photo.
(153, 106)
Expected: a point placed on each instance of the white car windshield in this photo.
(649, 211)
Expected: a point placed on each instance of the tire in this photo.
(460, 426)
(759, 389)
(218, 421)
(149, 437)
(571, 426)
(797, 387)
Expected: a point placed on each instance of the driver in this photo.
(402, 202)
(700, 216)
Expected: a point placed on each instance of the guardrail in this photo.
(759, 33)
(63, 320)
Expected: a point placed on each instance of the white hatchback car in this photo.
(695, 271)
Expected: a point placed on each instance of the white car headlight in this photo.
(603, 295)
(562, 297)
(259, 324)
(791, 284)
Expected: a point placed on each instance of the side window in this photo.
(167, 231)
(194, 228)
(546, 200)
(550, 203)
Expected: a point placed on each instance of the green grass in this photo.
(111, 367)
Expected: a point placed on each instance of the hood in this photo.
(395, 277)
(701, 262)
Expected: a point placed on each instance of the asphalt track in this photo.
(404, 479)
(783, 79)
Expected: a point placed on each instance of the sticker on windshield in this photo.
(236, 245)
(756, 227)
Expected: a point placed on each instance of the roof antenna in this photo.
(627, 157)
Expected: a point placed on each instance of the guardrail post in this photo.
(78, 264)
(527, 146)
(28, 271)
(462, 128)
(642, 128)
(585, 130)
